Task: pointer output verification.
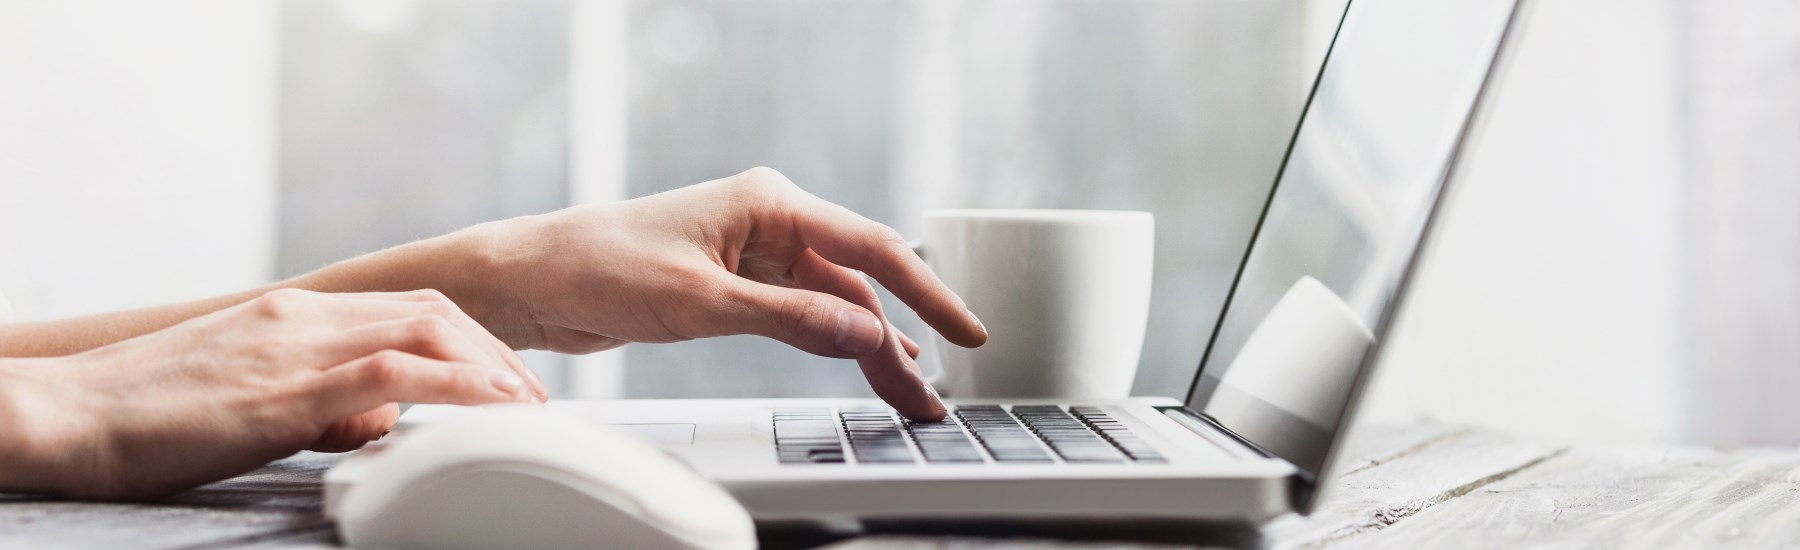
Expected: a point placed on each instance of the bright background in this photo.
(1622, 264)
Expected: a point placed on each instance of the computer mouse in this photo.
(523, 477)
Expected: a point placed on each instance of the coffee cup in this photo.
(1064, 294)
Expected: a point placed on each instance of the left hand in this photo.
(747, 254)
(226, 392)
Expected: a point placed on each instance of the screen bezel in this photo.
(1306, 489)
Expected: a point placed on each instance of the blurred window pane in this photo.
(407, 118)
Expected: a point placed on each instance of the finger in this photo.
(428, 336)
(815, 273)
(912, 348)
(349, 434)
(436, 301)
(890, 371)
(428, 301)
(393, 377)
(848, 239)
(898, 381)
(814, 322)
(851, 240)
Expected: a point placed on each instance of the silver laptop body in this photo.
(1265, 415)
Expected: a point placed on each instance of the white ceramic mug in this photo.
(1064, 294)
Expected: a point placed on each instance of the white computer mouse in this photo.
(522, 477)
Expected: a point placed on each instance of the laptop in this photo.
(1264, 418)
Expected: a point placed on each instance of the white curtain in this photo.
(1741, 219)
(136, 152)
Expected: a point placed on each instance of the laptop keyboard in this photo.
(972, 434)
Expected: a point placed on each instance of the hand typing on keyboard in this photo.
(748, 254)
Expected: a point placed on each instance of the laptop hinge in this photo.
(1302, 483)
(1210, 429)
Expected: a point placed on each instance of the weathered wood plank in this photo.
(1622, 497)
(1388, 488)
(1382, 443)
(280, 503)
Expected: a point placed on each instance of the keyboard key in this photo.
(1072, 439)
(875, 437)
(806, 436)
(1025, 434)
(805, 429)
(1115, 432)
(823, 456)
(1004, 438)
(943, 442)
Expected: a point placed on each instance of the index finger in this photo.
(848, 239)
(890, 370)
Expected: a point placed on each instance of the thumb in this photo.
(814, 322)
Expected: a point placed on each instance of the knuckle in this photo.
(764, 175)
(429, 331)
(759, 184)
(803, 309)
(447, 310)
(890, 237)
(291, 293)
(438, 302)
(384, 369)
(429, 295)
(884, 241)
(282, 303)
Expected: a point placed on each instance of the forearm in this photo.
(75, 335)
(461, 265)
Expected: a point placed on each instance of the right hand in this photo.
(225, 393)
(747, 254)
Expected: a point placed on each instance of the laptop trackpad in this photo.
(666, 435)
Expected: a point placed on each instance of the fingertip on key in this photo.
(935, 409)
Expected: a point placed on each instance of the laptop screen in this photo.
(1362, 176)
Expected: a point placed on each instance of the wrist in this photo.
(44, 430)
(487, 270)
(481, 268)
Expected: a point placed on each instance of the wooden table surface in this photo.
(1415, 486)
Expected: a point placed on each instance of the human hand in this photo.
(747, 254)
(227, 392)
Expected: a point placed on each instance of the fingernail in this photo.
(858, 333)
(977, 321)
(506, 381)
